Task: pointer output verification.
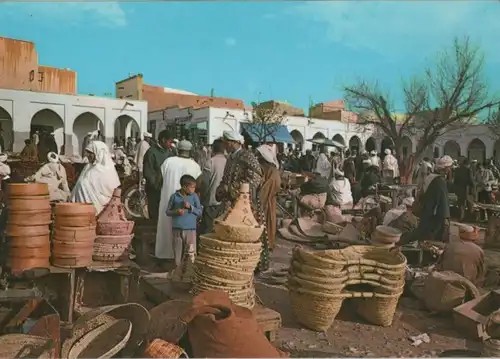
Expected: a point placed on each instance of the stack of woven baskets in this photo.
(319, 282)
(227, 259)
(74, 235)
(114, 232)
(27, 230)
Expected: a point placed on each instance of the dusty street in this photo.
(350, 336)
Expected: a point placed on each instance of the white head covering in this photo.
(387, 151)
(367, 162)
(90, 133)
(443, 162)
(373, 153)
(268, 154)
(185, 145)
(147, 135)
(102, 154)
(3, 157)
(408, 201)
(233, 136)
(52, 157)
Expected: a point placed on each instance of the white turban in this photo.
(367, 162)
(52, 157)
(387, 151)
(408, 201)
(443, 162)
(3, 157)
(233, 136)
(4, 170)
(268, 154)
(373, 153)
(147, 135)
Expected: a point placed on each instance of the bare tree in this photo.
(494, 124)
(447, 97)
(266, 120)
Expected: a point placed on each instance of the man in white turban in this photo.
(4, 168)
(142, 147)
(54, 175)
(433, 206)
(374, 158)
(391, 163)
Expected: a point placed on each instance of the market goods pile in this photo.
(319, 282)
(227, 259)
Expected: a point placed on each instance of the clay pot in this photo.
(29, 242)
(35, 218)
(27, 189)
(41, 203)
(26, 231)
(75, 234)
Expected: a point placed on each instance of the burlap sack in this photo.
(217, 328)
(442, 291)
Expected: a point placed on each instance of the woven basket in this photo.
(358, 271)
(115, 228)
(250, 263)
(161, 349)
(243, 254)
(201, 277)
(313, 271)
(333, 288)
(333, 280)
(224, 272)
(238, 233)
(320, 259)
(104, 341)
(314, 310)
(378, 307)
(212, 240)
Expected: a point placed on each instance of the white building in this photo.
(475, 141)
(70, 117)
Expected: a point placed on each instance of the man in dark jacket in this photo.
(153, 159)
(463, 185)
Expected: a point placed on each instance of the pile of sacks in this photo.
(319, 281)
(227, 259)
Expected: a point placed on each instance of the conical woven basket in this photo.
(213, 241)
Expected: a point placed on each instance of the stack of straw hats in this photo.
(319, 282)
(227, 259)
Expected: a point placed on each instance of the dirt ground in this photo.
(351, 336)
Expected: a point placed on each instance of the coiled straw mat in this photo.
(24, 345)
(135, 313)
(212, 240)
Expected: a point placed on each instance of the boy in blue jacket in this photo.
(184, 207)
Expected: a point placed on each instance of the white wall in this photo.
(23, 106)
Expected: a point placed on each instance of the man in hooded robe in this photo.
(54, 175)
(434, 205)
(172, 169)
(391, 163)
(86, 141)
(375, 159)
(271, 184)
(323, 164)
(142, 148)
(98, 179)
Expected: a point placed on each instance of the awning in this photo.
(265, 132)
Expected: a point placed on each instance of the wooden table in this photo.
(159, 289)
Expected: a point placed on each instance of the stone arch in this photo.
(6, 130)
(355, 143)
(298, 138)
(84, 123)
(47, 121)
(496, 150)
(125, 127)
(406, 146)
(452, 148)
(387, 143)
(371, 144)
(476, 150)
(339, 138)
(318, 135)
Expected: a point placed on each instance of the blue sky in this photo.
(289, 51)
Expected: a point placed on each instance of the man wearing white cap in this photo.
(391, 163)
(172, 170)
(142, 147)
(241, 167)
(433, 206)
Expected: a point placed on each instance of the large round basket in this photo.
(162, 349)
(238, 233)
(224, 272)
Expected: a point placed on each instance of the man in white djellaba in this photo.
(172, 169)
